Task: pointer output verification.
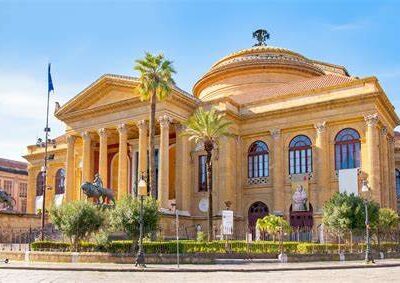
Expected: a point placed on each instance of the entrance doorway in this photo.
(257, 210)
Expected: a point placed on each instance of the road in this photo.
(380, 275)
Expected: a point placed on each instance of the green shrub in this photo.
(191, 247)
(77, 220)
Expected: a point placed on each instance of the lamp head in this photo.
(365, 188)
(142, 188)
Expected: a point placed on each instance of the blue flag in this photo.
(51, 88)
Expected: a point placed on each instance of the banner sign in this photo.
(300, 199)
(227, 222)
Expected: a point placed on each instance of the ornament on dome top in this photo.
(261, 35)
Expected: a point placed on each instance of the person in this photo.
(97, 181)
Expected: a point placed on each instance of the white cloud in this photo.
(348, 26)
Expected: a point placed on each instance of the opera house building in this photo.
(302, 130)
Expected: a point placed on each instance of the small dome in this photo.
(263, 65)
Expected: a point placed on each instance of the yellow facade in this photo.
(270, 94)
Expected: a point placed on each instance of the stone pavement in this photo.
(242, 266)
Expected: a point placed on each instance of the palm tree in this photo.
(207, 127)
(155, 83)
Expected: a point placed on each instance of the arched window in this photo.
(300, 155)
(398, 183)
(40, 184)
(258, 160)
(347, 149)
(60, 182)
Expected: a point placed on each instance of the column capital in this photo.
(371, 119)
(165, 121)
(320, 127)
(71, 139)
(384, 131)
(103, 132)
(122, 129)
(275, 133)
(142, 124)
(179, 128)
(86, 135)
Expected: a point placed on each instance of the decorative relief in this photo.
(71, 139)
(86, 136)
(165, 121)
(384, 131)
(122, 129)
(258, 181)
(371, 119)
(102, 132)
(320, 127)
(142, 124)
(275, 133)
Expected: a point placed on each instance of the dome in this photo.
(254, 69)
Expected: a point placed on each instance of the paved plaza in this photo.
(350, 271)
(391, 274)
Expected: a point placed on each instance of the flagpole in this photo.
(47, 130)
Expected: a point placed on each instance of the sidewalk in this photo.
(239, 267)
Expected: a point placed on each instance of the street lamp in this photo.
(366, 190)
(44, 144)
(142, 192)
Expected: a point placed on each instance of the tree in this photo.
(207, 127)
(388, 222)
(345, 212)
(155, 83)
(126, 216)
(273, 225)
(77, 220)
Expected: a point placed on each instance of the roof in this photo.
(13, 166)
(295, 87)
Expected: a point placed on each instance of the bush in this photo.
(200, 237)
(193, 247)
(77, 220)
(125, 216)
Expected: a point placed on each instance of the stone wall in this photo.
(19, 220)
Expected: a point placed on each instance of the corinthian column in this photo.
(385, 178)
(86, 157)
(143, 130)
(373, 170)
(70, 193)
(277, 173)
(103, 165)
(183, 193)
(123, 161)
(163, 177)
(321, 193)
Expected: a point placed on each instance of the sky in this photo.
(85, 39)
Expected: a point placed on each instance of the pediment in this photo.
(108, 90)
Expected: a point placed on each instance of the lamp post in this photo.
(368, 255)
(44, 144)
(177, 233)
(142, 192)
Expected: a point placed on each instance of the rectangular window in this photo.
(309, 160)
(8, 187)
(266, 165)
(337, 157)
(291, 162)
(344, 157)
(256, 166)
(202, 173)
(297, 161)
(23, 190)
(303, 160)
(250, 166)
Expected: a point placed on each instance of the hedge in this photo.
(190, 247)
